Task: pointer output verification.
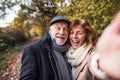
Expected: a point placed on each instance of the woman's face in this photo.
(77, 36)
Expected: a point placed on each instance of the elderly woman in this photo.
(82, 39)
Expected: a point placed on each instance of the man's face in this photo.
(59, 31)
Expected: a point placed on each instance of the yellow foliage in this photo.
(36, 31)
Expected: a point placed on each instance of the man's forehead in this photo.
(61, 22)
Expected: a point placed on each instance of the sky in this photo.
(11, 14)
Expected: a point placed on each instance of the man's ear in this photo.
(50, 29)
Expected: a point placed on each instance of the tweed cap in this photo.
(59, 18)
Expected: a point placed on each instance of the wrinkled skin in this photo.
(59, 31)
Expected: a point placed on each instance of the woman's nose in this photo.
(74, 35)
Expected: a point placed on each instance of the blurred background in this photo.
(23, 20)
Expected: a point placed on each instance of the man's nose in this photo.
(61, 31)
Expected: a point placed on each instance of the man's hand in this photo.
(109, 48)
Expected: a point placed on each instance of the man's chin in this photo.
(60, 43)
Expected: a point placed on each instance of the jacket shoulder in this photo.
(33, 45)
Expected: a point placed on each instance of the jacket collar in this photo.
(46, 40)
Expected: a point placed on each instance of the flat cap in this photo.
(59, 18)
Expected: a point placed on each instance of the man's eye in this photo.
(57, 28)
(65, 29)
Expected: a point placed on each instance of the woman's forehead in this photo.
(77, 27)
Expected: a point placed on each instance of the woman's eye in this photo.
(79, 33)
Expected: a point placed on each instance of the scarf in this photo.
(60, 48)
(75, 57)
(60, 60)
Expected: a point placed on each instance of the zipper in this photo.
(52, 65)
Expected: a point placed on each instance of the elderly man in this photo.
(45, 59)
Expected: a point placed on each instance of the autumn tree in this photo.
(39, 12)
(98, 12)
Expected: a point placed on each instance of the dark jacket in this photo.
(38, 62)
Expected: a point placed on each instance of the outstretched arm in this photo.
(108, 47)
